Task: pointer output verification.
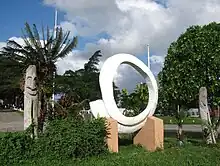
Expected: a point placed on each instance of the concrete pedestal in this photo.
(112, 136)
(151, 136)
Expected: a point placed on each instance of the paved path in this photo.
(192, 128)
(11, 121)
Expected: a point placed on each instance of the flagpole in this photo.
(54, 73)
(148, 56)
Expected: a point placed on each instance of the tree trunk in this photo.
(180, 134)
(42, 104)
(212, 132)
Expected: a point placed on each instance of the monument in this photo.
(31, 103)
(107, 106)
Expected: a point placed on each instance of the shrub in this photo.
(69, 138)
(62, 139)
(14, 147)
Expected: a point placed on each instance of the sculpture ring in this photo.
(106, 77)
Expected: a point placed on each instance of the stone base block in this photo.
(151, 136)
(112, 136)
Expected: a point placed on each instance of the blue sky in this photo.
(137, 23)
(15, 13)
(13, 18)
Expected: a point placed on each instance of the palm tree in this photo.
(43, 52)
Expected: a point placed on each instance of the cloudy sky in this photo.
(113, 26)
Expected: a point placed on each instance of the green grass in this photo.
(193, 154)
(172, 120)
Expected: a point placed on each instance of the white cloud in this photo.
(134, 23)
(67, 26)
(131, 24)
(2, 44)
(74, 61)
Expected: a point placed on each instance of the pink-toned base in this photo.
(112, 136)
(151, 136)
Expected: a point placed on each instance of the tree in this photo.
(83, 84)
(41, 53)
(193, 61)
(135, 102)
(10, 81)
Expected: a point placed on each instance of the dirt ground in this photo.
(11, 121)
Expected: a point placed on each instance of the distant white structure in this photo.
(193, 112)
(1, 102)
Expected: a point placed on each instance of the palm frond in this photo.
(37, 40)
(43, 36)
(27, 42)
(13, 43)
(57, 42)
(16, 50)
(49, 38)
(30, 35)
(67, 49)
(64, 42)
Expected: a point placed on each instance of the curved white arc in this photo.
(98, 109)
(130, 129)
(153, 91)
(107, 73)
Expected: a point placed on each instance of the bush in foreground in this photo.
(63, 139)
(68, 138)
(14, 147)
(194, 153)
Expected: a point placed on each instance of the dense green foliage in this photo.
(41, 52)
(135, 101)
(14, 147)
(9, 88)
(68, 138)
(83, 84)
(63, 139)
(193, 154)
(192, 61)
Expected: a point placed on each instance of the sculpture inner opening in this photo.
(131, 88)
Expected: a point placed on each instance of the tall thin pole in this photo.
(55, 31)
(148, 56)
(55, 23)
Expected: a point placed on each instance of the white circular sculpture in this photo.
(107, 106)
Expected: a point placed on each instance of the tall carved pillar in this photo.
(31, 102)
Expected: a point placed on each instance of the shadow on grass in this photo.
(125, 142)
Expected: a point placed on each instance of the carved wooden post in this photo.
(205, 115)
(31, 99)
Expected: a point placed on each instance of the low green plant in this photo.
(14, 147)
(68, 138)
(62, 139)
(193, 153)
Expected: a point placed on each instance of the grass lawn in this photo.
(193, 154)
(172, 120)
